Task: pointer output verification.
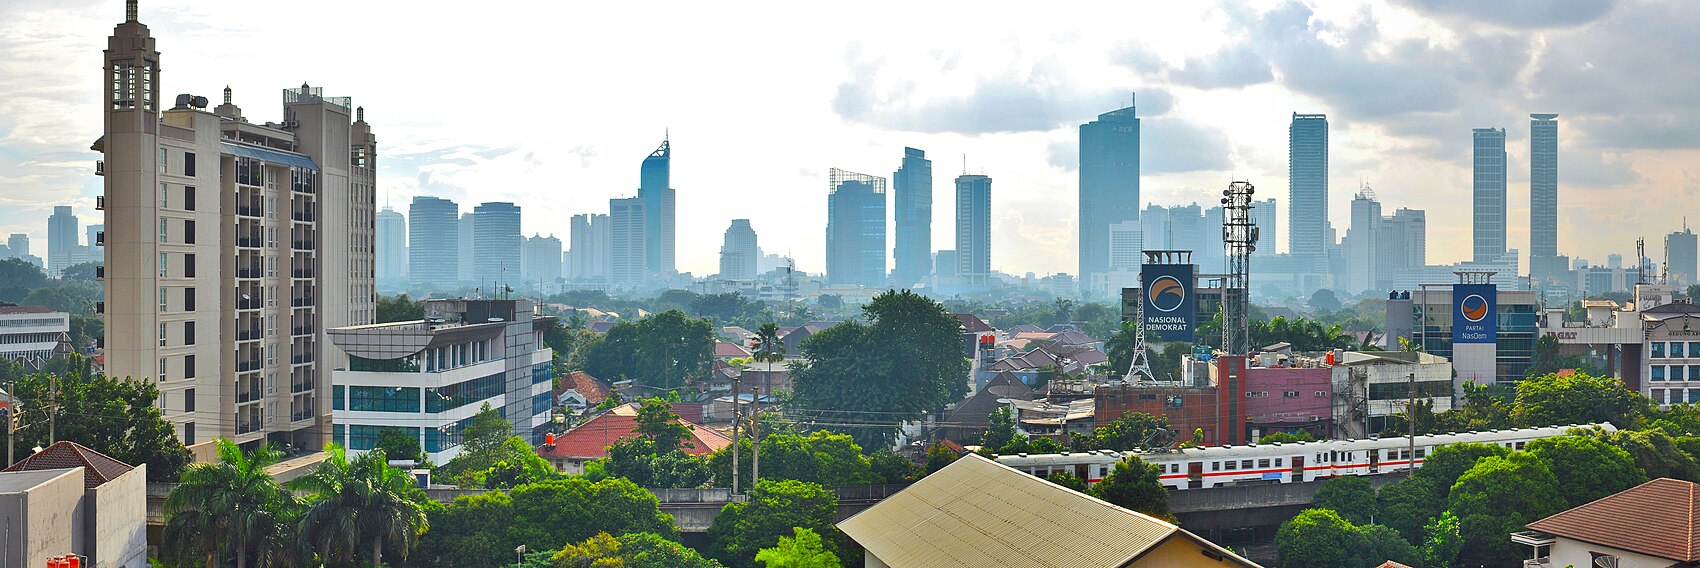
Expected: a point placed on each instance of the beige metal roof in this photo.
(979, 513)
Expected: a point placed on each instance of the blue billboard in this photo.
(1168, 296)
(1475, 313)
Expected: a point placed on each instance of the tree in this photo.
(827, 458)
(1286, 438)
(230, 508)
(1133, 431)
(17, 278)
(1586, 467)
(632, 550)
(637, 459)
(1407, 504)
(1068, 480)
(804, 550)
(471, 531)
(907, 362)
(1441, 541)
(1316, 538)
(939, 456)
(1378, 544)
(1577, 398)
(774, 508)
(663, 352)
(1654, 451)
(830, 301)
(399, 443)
(657, 423)
(768, 348)
(1001, 431)
(1119, 347)
(360, 505)
(1324, 299)
(1350, 496)
(516, 464)
(1449, 462)
(891, 467)
(548, 515)
(119, 418)
(1133, 484)
(60, 299)
(82, 272)
(399, 308)
(1497, 497)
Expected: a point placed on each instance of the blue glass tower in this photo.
(855, 229)
(1307, 176)
(913, 208)
(656, 190)
(1489, 194)
(1109, 185)
(974, 229)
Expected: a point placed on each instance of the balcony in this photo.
(301, 330)
(304, 216)
(247, 365)
(253, 304)
(248, 426)
(300, 302)
(249, 273)
(254, 210)
(301, 359)
(100, 203)
(302, 273)
(299, 416)
(249, 335)
(302, 245)
(249, 242)
(100, 167)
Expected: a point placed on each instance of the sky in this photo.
(553, 105)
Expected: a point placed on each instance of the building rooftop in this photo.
(14, 309)
(591, 439)
(19, 481)
(1656, 518)
(587, 386)
(97, 467)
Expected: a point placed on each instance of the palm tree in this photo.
(359, 502)
(768, 348)
(229, 507)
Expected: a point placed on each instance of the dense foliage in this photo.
(774, 508)
(633, 550)
(117, 417)
(477, 530)
(663, 352)
(804, 550)
(1132, 484)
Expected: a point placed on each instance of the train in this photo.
(1254, 464)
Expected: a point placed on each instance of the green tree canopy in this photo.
(637, 459)
(1654, 451)
(664, 351)
(399, 444)
(891, 467)
(1350, 496)
(231, 509)
(804, 550)
(17, 278)
(1586, 467)
(1577, 398)
(116, 417)
(632, 550)
(1001, 430)
(1316, 538)
(1132, 484)
(907, 362)
(774, 508)
(399, 308)
(548, 515)
(1407, 504)
(355, 508)
(1133, 431)
(827, 458)
(1286, 437)
(657, 423)
(1498, 496)
(1378, 544)
(1442, 541)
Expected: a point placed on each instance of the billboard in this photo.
(1475, 313)
(1168, 297)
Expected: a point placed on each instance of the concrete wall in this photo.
(42, 521)
(117, 521)
(1567, 552)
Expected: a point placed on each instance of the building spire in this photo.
(227, 94)
(129, 10)
(360, 114)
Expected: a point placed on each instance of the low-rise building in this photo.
(590, 440)
(1370, 387)
(429, 377)
(580, 392)
(28, 334)
(1651, 525)
(68, 499)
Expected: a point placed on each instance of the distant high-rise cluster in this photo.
(855, 229)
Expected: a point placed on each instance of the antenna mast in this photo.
(1641, 260)
(1239, 237)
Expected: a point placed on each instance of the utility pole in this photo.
(53, 408)
(1411, 419)
(736, 416)
(755, 438)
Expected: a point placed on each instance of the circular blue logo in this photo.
(1474, 307)
(1167, 293)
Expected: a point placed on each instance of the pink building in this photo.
(1284, 399)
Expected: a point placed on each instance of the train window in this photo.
(1245, 464)
(1421, 451)
(1263, 463)
(1229, 465)
(1519, 445)
(1278, 462)
(1215, 466)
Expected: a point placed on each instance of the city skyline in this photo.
(1219, 106)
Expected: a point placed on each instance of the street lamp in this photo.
(519, 555)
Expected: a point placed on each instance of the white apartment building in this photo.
(230, 246)
(429, 377)
(28, 334)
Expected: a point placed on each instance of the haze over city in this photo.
(554, 110)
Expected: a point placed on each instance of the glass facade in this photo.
(463, 393)
(383, 399)
(365, 437)
(1109, 184)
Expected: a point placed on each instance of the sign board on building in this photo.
(1475, 316)
(1169, 300)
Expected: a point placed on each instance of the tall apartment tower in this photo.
(912, 202)
(1307, 178)
(739, 251)
(433, 251)
(1680, 257)
(974, 229)
(1363, 243)
(61, 238)
(1488, 202)
(497, 246)
(542, 261)
(1109, 185)
(592, 244)
(855, 229)
(655, 188)
(1403, 243)
(391, 254)
(626, 237)
(230, 247)
(1264, 213)
(1543, 197)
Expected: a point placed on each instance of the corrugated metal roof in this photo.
(976, 512)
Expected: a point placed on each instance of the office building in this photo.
(61, 238)
(1307, 173)
(391, 254)
(626, 247)
(542, 260)
(433, 249)
(18, 244)
(944, 264)
(1362, 243)
(1680, 258)
(429, 377)
(655, 188)
(1403, 242)
(738, 251)
(974, 229)
(230, 247)
(1488, 201)
(592, 244)
(912, 203)
(1109, 185)
(855, 229)
(467, 236)
(1543, 197)
(497, 246)
(1264, 213)
(29, 334)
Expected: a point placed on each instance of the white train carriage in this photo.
(1200, 468)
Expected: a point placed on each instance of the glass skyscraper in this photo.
(433, 252)
(1489, 194)
(1109, 185)
(391, 253)
(913, 207)
(1307, 178)
(974, 229)
(1543, 196)
(497, 246)
(655, 188)
(855, 229)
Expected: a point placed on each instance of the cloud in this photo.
(1170, 145)
(1520, 14)
(1064, 153)
(1626, 80)
(1235, 66)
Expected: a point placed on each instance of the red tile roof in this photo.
(587, 386)
(591, 439)
(97, 467)
(972, 323)
(1657, 518)
(727, 349)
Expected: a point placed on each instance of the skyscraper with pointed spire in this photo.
(655, 189)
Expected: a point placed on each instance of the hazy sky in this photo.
(554, 104)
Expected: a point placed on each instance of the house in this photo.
(1651, 525)
(601, 326)
(727, 351)
(590, 440)
(976, 512)
(579, 391)
(968, 420)
(69, 499)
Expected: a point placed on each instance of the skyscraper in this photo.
(655, 188)
(974, 229)
(1109, 185)
(1404, 244)
(591, 243)
(19, 244)
(497, 246)
(1680, 257)
(230, 248)
(1363, 243)
(61, 238)
(466, 239)
(855, 229)
(1489, 193)
(626, 237)
(1307, 178)
(542, 261)
(912, 202)
(1543, 196)
(433, 251)
(738, 251)
(391, 254)
(1264, 213)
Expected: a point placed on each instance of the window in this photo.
(1229, 465)
(188, 433)
(1321, 394)
(162, 265)
(164, 196)
(189, 231)
(1290, 394)
(1676, 373)
(383, 399)
(337, 394)
(1658, 350)
(1676, 349)
(189, 368)
(162, 344)
(1693, 395)
(1658, 371)
(1693, 347)
(188, 400)
(188, 333)
(188, 266)
(162, 364)
(189, 198)
(1278, 462)
(189, 164)
(1263, 463)
(162, 160)
(1245, 464)
(1215, 466)
(188, 299)
(162, 233)
(162, 299)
